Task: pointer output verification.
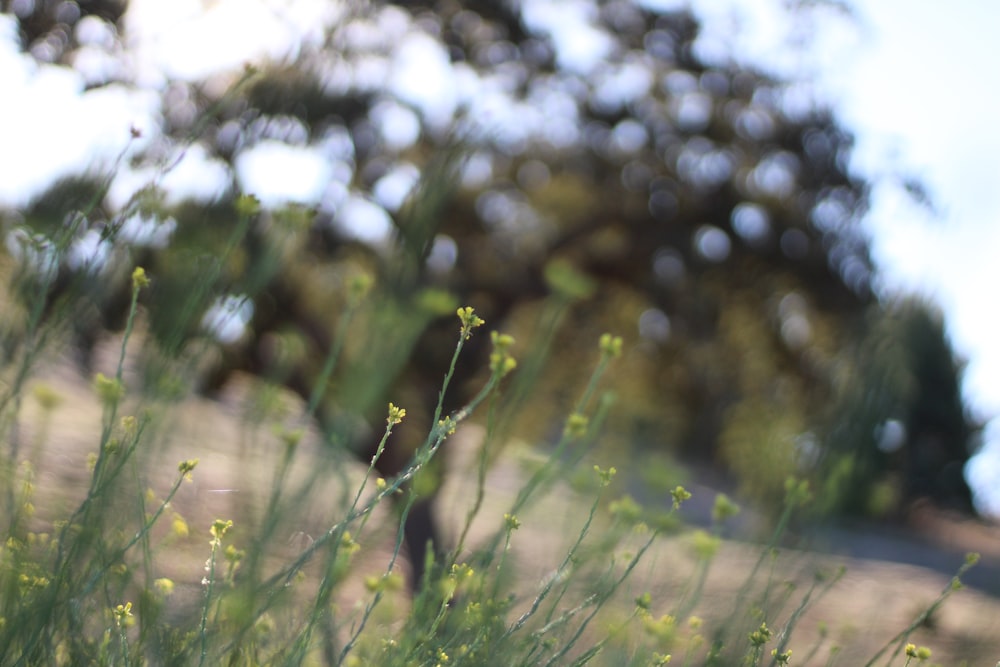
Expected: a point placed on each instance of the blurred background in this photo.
(785, 208)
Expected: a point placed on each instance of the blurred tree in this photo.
(48, 29)
(711, 201)
(899, 429)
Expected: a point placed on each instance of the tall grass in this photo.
(88, 583)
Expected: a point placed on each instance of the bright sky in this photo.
(923, 97)
(915, 86)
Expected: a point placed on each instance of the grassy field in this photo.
(60, 426)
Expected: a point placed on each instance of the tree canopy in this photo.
(518, 154)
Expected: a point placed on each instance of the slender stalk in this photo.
(785, 634)
(550, 583)
(439, 432)
(218, 530)
(900, 638)
(370, 607)
(208, 582)
(481, 469)
(328, 581)
(600, 599)
(552, 465)
(142, 533)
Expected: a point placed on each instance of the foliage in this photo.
(88, 586)
(707, 212)
(899, 423)
(710, 201)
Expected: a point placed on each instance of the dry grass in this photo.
(874, 600)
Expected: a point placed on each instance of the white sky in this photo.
(917, 86)
(923, 97)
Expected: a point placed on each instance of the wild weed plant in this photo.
(88, 585)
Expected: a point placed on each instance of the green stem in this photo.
(547, 588)
(437, 435)
(952, 586)
(601, 599)
(141, 534)
(785, 634)
(378, 594)
(208, 582)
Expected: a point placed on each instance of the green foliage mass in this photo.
(710, 217)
